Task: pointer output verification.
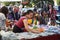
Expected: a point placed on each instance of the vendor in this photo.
(22, 24)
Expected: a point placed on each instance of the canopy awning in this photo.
(10, 0)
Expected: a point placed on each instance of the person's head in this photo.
(50, 6)
(43, 13)
(28, 14)
(53, 22)
(35, 16)
(4, 10)
(15, 9)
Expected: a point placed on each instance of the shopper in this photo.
(3, 16)
(52, 12)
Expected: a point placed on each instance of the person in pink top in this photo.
(22, 24)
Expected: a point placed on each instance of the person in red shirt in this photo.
(22, 24)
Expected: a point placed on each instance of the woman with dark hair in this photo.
(22, 24)
(43, 19)
(3, 16)
(52, 12)
(4, 10)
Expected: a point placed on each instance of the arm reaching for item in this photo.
(38, 30)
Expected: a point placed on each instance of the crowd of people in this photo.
(11, 16)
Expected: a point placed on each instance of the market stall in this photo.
(52, 33)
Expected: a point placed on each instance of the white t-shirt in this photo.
(2, 21)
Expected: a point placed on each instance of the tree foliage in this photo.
(8, 3)
(58, 2)
(37, 1)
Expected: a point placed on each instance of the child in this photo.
(35, 19)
